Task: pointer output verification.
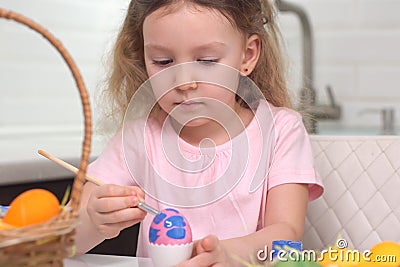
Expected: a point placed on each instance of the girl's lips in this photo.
(189, 104)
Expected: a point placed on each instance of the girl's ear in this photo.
(251, 54)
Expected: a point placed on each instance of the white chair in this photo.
(361, 202)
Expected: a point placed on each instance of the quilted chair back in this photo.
(361, 202)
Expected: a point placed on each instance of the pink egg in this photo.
(170, 227)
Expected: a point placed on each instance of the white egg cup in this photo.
(169, 255)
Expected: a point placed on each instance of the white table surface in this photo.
(94, 260)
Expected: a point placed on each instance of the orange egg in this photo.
(4, 226)
(386, 254)
(32, 207)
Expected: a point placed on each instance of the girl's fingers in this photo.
(130, 214)
(112, 230)
(113, 208)
(209, 243)
(111, 190)
(114, 197)
(139, 192)
(110, 204)
(121, 225)
(208, 253)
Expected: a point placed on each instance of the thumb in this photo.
(207, 244)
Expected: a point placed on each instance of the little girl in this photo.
(195, 134)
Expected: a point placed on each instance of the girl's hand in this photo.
(112, 208)
(208, 252)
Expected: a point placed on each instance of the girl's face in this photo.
(192, 33)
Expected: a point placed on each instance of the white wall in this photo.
(39, 102)
(37, 87)
(356, 52)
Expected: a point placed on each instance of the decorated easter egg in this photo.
(170, 227)
(170, 238)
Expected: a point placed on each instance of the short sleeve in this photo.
(110, 167)
(293, 158)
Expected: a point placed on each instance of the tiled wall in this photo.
(356, 52)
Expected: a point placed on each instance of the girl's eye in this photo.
(207, 61)
(163, 62)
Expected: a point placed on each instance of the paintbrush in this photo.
(142, 205)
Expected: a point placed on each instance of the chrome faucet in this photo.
(307, 93)
(387, 119)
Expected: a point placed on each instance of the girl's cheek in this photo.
(165, 103)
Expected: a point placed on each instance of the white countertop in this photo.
(93, 260)
(21, 163)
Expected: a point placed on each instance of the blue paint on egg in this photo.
(153, 234)
(170, 227)
(159, 218)
(175, 221)
(177, 233)
(173, 210)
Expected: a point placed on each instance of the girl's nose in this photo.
(185, 76)
(187, 86)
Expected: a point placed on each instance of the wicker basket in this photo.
(47, 244)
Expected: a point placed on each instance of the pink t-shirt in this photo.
(220, 190)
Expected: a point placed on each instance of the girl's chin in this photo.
(197, 122)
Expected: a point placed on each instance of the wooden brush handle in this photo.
(69, 167)
(142, 205)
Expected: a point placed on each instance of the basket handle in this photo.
(86, 146)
